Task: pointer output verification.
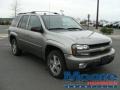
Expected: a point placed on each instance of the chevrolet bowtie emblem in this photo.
(102, 49)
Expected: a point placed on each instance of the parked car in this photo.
(103, 23)
(60, 41)
(116, 25)
(109, 25)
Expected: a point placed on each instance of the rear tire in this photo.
(56, 63)
(14, 47)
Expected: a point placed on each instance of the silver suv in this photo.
(60, 41)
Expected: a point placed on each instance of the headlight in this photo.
(82, 47)
(77, 48)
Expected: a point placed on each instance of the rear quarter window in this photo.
(23, 21)
(15, 21)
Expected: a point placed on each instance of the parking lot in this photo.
(27, 72)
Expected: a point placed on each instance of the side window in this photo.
(15, 21)
(23, 21)
(34, 22)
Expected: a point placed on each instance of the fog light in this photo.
(82, 65)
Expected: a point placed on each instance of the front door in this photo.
(35, 39)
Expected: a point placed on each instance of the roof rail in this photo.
(46, 12)
(34, 12)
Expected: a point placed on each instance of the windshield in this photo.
(58, 22)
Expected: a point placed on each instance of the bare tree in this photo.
(15, 7)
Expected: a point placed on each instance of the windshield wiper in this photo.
(70, 29)
(75, 28)
(56, 28)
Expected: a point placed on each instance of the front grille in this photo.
(95, 50)
(99, 45)
(100, 52)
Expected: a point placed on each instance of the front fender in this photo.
(57, 44)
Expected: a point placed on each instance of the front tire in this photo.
(56, 63)
(15, 50)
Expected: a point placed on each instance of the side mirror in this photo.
(37, 29)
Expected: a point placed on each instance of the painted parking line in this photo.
(2, 36)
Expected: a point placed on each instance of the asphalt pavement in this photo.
(28, 72)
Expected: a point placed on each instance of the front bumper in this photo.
(73, 62)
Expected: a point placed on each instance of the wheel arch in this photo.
(12, 37)
(49, 48)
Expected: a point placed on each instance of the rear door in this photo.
(23, 32)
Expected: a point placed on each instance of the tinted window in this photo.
(34, 22)
(15, 21)
(23, 22)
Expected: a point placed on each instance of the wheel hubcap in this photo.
(55, 65)
(14, 47)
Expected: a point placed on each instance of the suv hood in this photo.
(84, 37)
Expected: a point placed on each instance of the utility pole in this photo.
(88, 20)
(97, 16)
(15, 7)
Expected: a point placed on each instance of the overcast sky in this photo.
(109, 9)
